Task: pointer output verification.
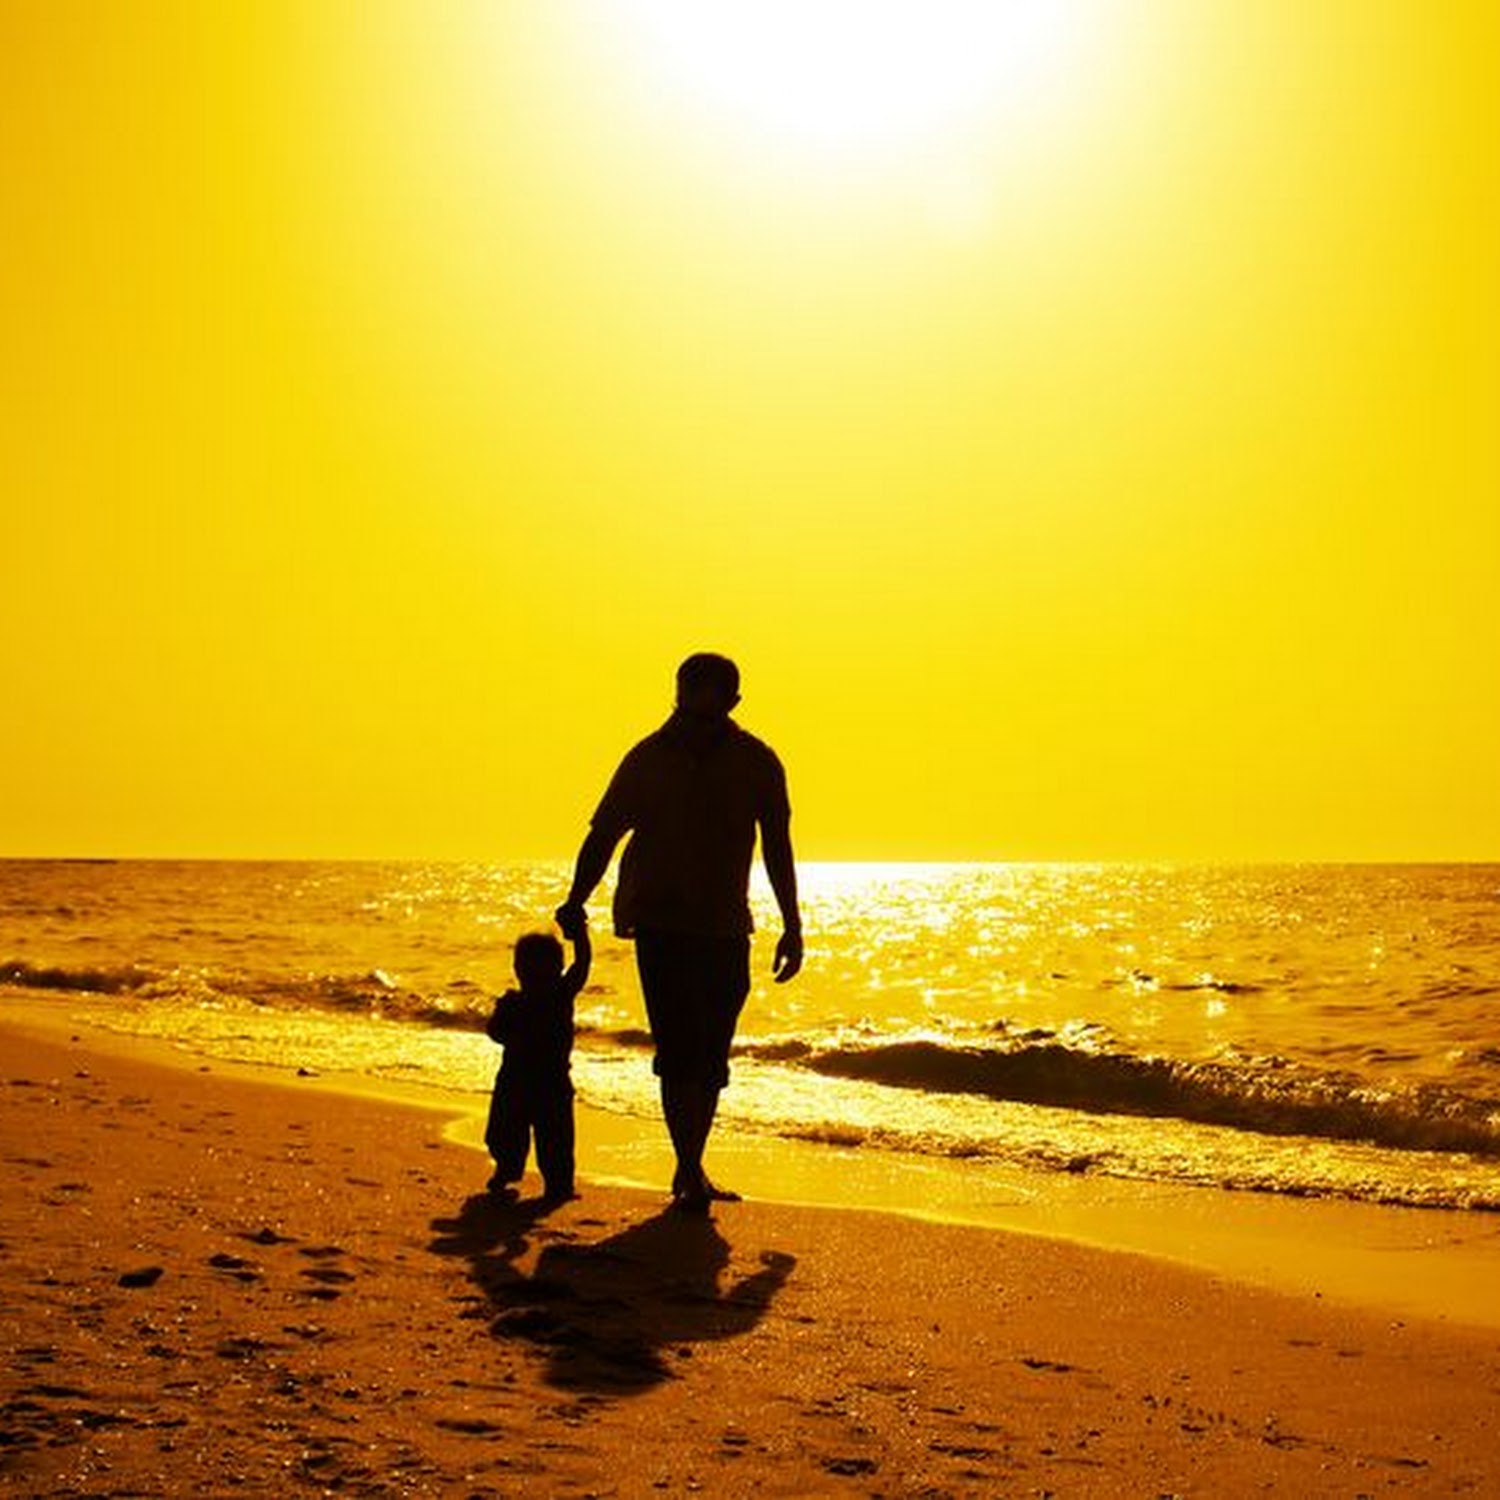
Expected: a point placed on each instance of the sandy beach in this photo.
(219, 1283)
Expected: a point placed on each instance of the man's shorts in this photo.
(695, 988)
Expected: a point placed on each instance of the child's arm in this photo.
(583, 956)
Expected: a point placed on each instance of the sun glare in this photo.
(847, 76)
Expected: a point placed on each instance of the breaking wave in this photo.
(94, 981)
(1269, 1096)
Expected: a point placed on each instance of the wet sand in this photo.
(220, 1283)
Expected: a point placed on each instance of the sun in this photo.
(842, 77)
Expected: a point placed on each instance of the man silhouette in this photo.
(692, 797)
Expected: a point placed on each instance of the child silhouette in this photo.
(534, 1088)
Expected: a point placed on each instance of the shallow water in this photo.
(1299, 1029)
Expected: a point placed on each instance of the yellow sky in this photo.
(1098, 460)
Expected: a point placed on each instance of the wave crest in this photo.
(89, 979)
(1273, 1100)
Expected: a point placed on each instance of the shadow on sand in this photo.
(609, 1315)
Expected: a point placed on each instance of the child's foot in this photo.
(563, 1193)
(497, 1187)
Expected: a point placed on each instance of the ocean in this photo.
(1312, 1030)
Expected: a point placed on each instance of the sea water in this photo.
(1308, 1029)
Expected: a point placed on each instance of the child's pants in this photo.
(515, 1114)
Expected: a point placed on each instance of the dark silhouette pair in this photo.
(692, 797)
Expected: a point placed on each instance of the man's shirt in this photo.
(692, 817)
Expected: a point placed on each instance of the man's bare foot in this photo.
(697, 1187)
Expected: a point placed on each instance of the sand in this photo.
(223, 1284)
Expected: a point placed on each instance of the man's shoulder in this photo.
(639, 759)
(648, 745)
(752, 747)
(661, 755)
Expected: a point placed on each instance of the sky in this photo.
(1077, 417)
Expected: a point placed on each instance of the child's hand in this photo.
(572, 918)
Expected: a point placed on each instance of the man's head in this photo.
(539, 959)
(708, 686)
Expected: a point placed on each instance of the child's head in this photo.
(539, 959)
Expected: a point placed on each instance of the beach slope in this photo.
(215, 1285)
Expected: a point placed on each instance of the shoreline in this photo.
(1429, 1263)
(218, 1282)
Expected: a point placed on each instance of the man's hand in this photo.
(572, 918)
(788, 956)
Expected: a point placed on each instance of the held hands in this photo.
(788, 956)
(572, 918)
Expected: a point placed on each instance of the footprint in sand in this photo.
(233, 1265)
(328, 1274)
(310, 1331)
(244, 1346)
(330, 1278)
(962, 1450)
(470, 1426)
(267, 1236)
(146, 1276)
(849, 1467)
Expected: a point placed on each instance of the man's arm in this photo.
(588, 870)
(613, 818)
(781, 869)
